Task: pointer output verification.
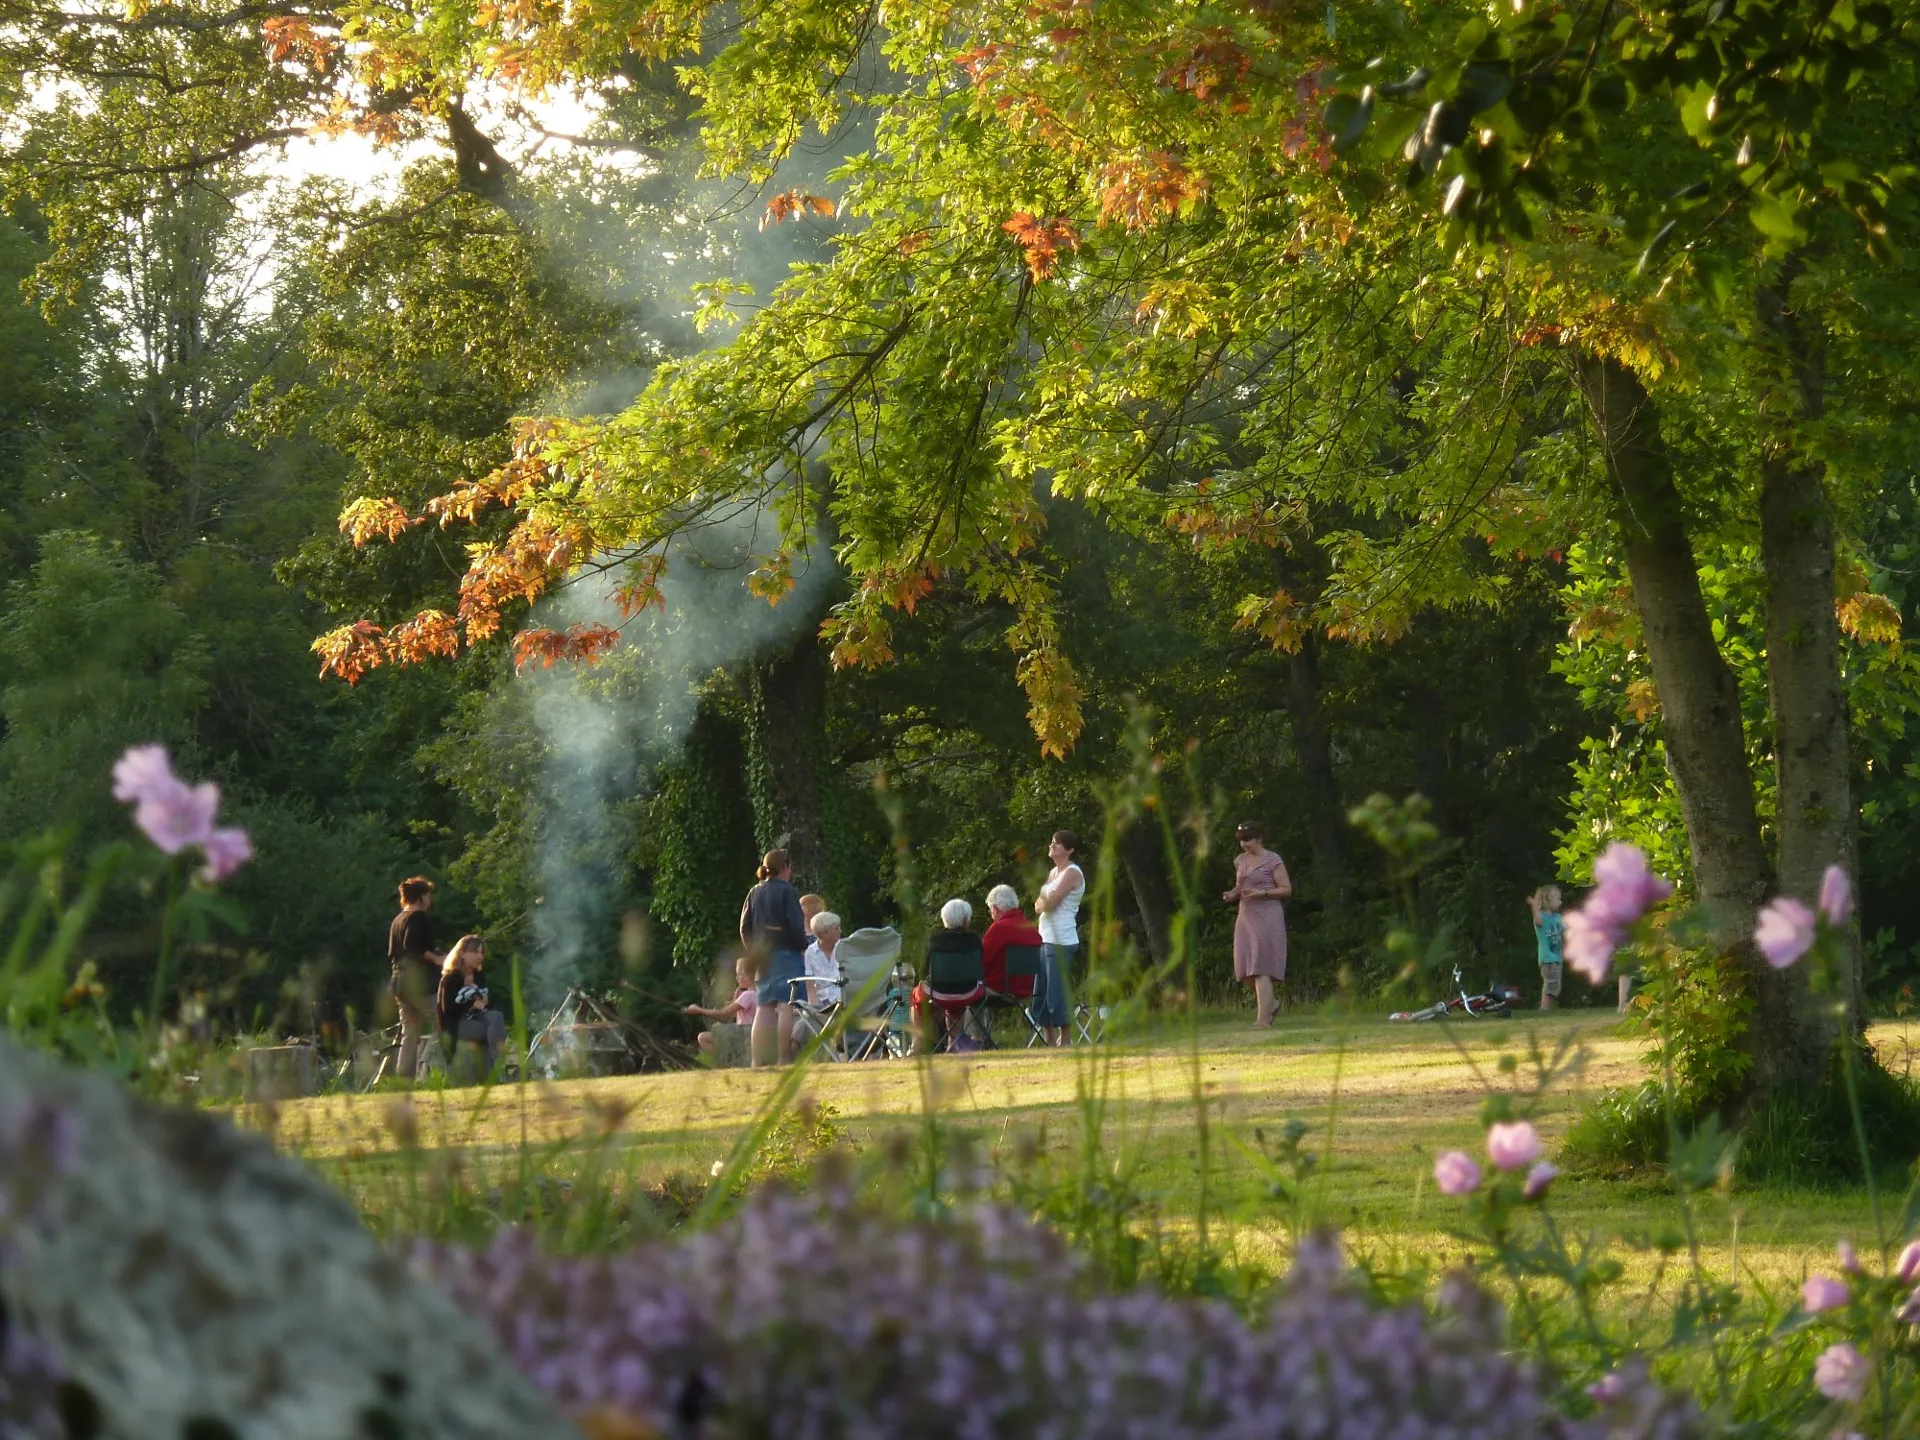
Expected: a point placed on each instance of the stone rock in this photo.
(195, 1282)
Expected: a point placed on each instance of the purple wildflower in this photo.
(1785, 931)
(1822, 1293)
(1907, 1266)
(1512, 1145)
(1455, 1173)
(1841, 1372)
(987, 1325)
(1836, 896)
(1849, 1257)
(1539, 1178)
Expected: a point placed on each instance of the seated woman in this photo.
(953, 939)
(465, 1015)
(738, 1011)
(1009, 927)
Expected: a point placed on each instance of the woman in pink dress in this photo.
(1260, 883)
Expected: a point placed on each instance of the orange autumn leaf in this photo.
(643, 591)
(293, 36)
(1277, 618)
(1869, 618)
(351, 651)
(1643, 699)
(1041, 241)
(430, 633)
(772, 579)
(795, 204)
(587, 643)
(1142, 193)
(367, 517)
(858, 639)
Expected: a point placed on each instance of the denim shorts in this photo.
(782, 966)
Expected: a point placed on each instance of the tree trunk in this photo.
(1319, 790)
(1700, 710)
(1143, 853)
(1804, 685)
(788, 738)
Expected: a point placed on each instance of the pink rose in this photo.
(1822, 1292)
(1455, 1173)
(1841, 1372)
(1512, 1144)
(1836, 896)
(1538, 1178)
(1785, 931)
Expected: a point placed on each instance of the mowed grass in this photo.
(1379, 1100)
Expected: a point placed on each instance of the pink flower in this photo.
(1822, 1292)
(1909, 1311)
(1589, 946)
(1607, 1389)
(1538, 1178)
(1836, 896)
(1624, 890)
(1841, 1372)
(1849, 1261)
(179, 816)
(226, 849)
(141, 771)
(1785, 931)
(1512, 1145)
(1908, 1265)
(1455, 1173)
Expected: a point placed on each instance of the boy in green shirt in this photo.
(1549, 936)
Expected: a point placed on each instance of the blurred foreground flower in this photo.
(1455, 1173)
(1512, 1145)
(1836, 896)
(816, 1317)
(1821, 1293)
(1785, 931)
(1841, 1372)
(177, 816)
(1625, 888)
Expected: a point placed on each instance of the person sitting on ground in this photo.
(1008, 927)
(1549, 940)
(465, 1014)
(738, 1011)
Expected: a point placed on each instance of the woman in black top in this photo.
(465, 1013)
(774, 933)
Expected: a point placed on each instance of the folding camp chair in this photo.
(1028, 961)
(875, 1018)
(956, 981)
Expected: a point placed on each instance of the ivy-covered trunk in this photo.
(1700, 716)
(1319, 790)
(787, 748)
(1805, 688)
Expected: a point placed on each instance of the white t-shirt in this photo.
(1057, 925)
(820, 967)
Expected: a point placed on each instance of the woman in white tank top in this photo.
(1058, 907)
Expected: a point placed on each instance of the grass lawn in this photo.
(1380, 1100)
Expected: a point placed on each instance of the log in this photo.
(192, 1280)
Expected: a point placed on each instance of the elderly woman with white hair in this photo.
(952, 940)
(823, 971)
(1008, 927)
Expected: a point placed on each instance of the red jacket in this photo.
(1010, 929)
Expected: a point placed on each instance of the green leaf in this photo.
(1346, 119)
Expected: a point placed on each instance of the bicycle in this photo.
(1496, 1004)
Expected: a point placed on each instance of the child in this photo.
(1549, 935)
(738, 1011)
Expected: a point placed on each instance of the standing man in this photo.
(416, 968)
